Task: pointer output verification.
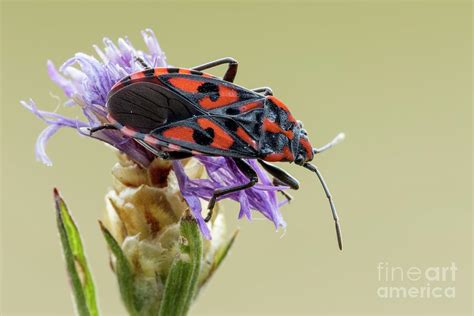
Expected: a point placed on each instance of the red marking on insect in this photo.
(272, 127)
(159, 71)
(285, 155)
(251, 106)
(181, 133)
(137, 75)
(307, 146)
(185, 84)
(282, 106)
(226, 96)
(221, 138)
(242, 134)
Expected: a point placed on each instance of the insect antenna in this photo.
(314, 169)
(339, 138)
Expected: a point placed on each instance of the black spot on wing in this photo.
(208, 87)
(205, 137)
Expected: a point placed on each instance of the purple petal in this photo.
(192, 200)
(40, 147)
(159, 58)
(52, 118)
(62, 82)
(244, 206)
(126, 51)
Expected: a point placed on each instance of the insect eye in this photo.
(299, 159)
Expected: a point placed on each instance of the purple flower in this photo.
(86, 82)
(223, 172)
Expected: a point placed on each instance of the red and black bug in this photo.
(176, 113)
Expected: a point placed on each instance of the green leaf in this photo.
(76, 263)
(223, 251)
(124, 273)
(182, 280)
(219, 257)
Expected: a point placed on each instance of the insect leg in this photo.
(264, 90)
(142, 62)
(281, 177)
(97, 128)
(153, 150)
(247, 170)
(331, 203)
(280, 174)
(231, 70)
(277, 182)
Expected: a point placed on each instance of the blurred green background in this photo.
(394, 76)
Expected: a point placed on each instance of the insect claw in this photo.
(209, 215)
(210, 207)
(287, 196)
(85, 130)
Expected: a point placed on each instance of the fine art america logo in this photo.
(401, 282)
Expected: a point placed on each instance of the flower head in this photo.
(86, 81)
(143, 213)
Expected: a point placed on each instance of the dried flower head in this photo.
(143, 213)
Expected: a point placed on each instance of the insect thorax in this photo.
(280, 132)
